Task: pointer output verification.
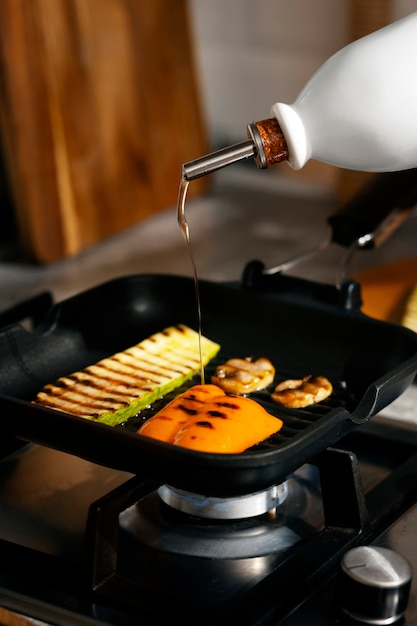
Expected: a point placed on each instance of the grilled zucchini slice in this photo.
(118, 387)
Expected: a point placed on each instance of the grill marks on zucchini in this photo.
(119, 386)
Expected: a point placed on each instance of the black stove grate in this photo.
(344, 518)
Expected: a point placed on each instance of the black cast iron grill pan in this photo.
(304, 327)
(369, 362)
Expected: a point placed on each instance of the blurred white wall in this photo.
(252, 53)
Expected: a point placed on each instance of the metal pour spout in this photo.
(217, 160)
(266, 144)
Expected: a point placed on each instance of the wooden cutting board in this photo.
(99, 109)
(387, 290)
(10, 618)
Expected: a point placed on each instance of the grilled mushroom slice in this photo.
(242, 376)
(300, 393)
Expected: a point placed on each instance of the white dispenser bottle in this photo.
(358, 111)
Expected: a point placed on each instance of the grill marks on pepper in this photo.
(187, 410)
(218, 414)
(212, 413)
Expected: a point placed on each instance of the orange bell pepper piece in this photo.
(204, 418)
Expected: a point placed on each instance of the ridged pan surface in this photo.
(370, 363)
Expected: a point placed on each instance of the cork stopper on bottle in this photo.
(269, 141)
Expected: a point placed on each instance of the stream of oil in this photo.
(182, 195)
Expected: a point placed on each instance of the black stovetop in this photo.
(83, 544)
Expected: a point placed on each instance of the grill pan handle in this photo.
(376, 211)
(366, 220)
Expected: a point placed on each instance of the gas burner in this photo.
(229, 508)
(152, 524)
